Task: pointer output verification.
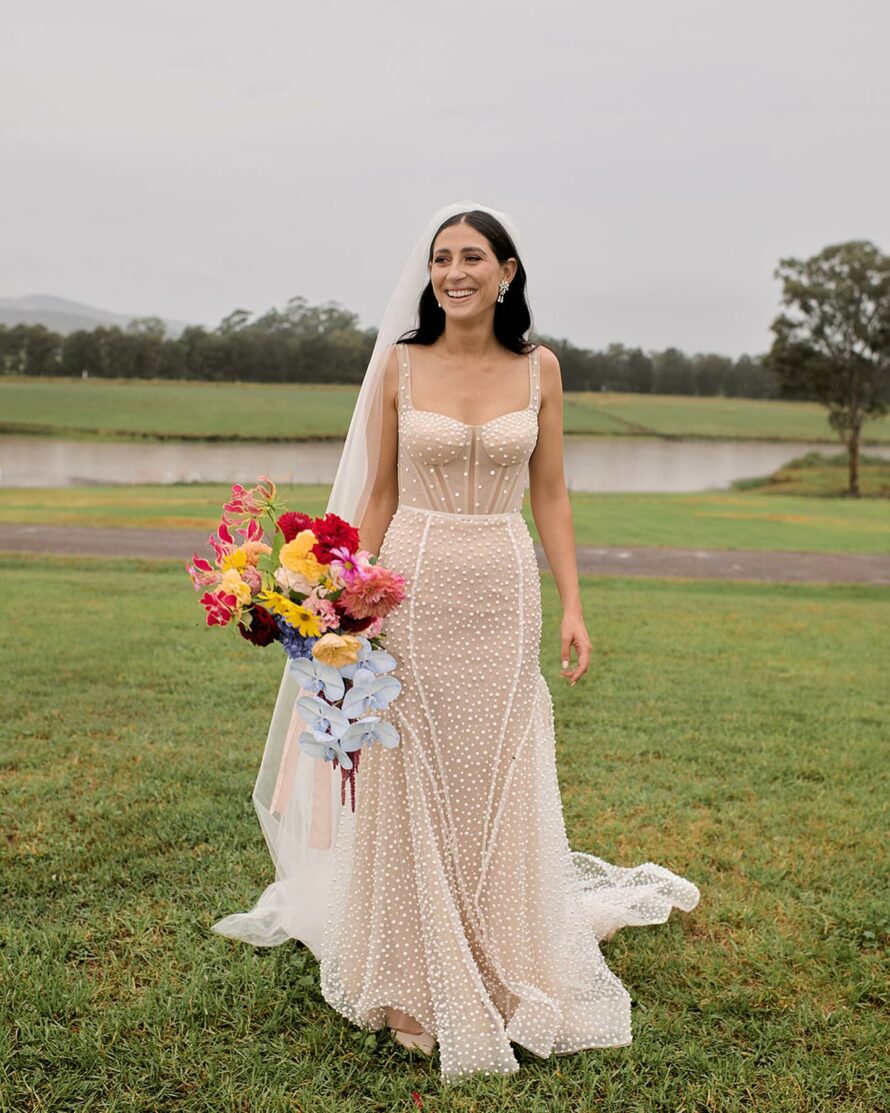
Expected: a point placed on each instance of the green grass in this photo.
(742, 519)
(730, 731)
(826, 475)
(130, 408)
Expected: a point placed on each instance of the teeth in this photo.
(459, 293)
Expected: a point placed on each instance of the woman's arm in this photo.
(385, 493)
(553, 517)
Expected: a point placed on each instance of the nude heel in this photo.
(408, 1033)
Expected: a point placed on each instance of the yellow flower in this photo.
(336, 649)
(234, 585)
(300, 617)
(300, 546)
(236, 559)
(297, 556)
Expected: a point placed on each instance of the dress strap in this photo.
(534, 393)
(404, 377)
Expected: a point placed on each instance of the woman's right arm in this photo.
(385, 493)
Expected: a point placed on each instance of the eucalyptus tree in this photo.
(832, 343)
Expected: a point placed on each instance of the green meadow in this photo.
(734, 732)
(128, 409)
(811, 518)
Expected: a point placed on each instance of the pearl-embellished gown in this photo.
(455, 896)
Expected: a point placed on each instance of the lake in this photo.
(592, 463)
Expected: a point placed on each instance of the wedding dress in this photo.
(455, 896)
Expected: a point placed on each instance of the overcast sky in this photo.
(658, 156)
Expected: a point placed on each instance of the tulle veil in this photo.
(296, 797)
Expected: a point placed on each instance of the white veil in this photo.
(296, 797)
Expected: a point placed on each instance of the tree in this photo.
(833, 343)
(147, 326)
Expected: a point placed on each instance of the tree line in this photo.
(831, 345)
(304, 343)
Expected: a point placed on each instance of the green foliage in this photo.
(733, 732)
(833, 343)
(302, 343)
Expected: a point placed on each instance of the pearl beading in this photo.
(455, 895)
(448, 465)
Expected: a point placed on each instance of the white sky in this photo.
(659, 156)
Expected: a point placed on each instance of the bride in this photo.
(449, 905)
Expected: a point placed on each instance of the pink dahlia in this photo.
(374, 594)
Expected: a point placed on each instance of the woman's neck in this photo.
(475, 339)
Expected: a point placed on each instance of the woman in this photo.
(453, 909)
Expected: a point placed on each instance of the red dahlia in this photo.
(292, 523)
(333, 533)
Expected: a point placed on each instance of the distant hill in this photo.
(65, 316)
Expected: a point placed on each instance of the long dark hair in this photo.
(512, 316)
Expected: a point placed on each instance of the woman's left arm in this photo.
(553, 516)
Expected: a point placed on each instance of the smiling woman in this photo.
(451, 907)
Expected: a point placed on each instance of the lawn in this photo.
(753, 518)
(133, 408)
(734, 732)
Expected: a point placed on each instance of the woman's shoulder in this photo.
(546, 356)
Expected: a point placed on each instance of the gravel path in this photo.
(721, 564)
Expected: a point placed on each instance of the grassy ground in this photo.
(127, 408)
(751, 518)
(731, 731)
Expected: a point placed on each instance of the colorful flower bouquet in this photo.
(324, 599)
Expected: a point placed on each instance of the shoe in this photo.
(415, 1041)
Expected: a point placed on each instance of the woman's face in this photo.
(465, 271)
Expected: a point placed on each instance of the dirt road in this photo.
(722, 564)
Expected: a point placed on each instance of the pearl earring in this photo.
(503, 287)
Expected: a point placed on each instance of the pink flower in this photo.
(348, 568)
(252, 532)
(374, 629)
(222, 541)
(253, 578)
(373, 594)
(324, 610)
(202, 573)
(220, 607)
(251, 504)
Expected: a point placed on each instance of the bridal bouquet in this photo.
(310, 587)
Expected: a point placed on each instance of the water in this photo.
(592, 463)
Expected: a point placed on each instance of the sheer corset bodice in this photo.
(455, 468)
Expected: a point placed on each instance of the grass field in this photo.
(753, 518)
(734, 732)
(127, 409)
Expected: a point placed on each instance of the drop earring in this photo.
(503, 287)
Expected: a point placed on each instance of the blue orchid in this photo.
(371, 730)
(325, 747)
(316, 677)
(327, 728)
(371, 696)
(369, 664)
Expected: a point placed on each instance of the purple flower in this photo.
(295, 645)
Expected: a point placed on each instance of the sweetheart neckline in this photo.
(466, 424)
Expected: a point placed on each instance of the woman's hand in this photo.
(573, 634)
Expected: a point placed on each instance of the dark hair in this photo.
(512, 316)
